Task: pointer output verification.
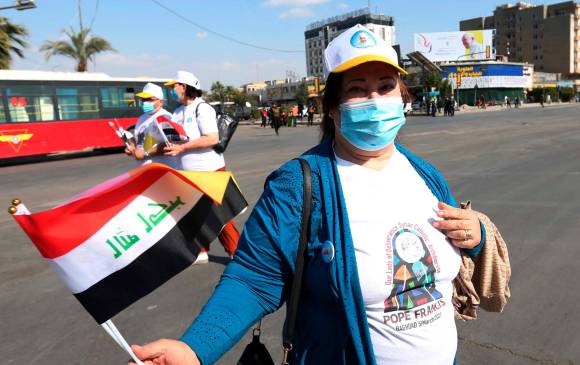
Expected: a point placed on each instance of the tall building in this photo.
(319, 34)
(546, 35)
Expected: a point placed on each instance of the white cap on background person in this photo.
(150, 90)
(356, 46)
(184, 77)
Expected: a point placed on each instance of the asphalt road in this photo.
(521, 167)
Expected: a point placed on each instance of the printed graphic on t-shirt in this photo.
(412, 264)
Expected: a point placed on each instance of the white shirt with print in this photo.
(147, 127)
(195, 126)
(405, 266)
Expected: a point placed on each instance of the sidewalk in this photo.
(466, 109)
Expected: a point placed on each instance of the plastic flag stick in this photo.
(118, 337)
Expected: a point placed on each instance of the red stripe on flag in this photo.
(59, 230)
(178, 127)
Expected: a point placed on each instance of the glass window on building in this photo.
(77, 103)
(29, 104)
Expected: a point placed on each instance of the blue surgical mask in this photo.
(371, 125)
(174, 95)
(148, 107)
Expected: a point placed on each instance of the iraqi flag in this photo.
(118, 241)
(174, 132)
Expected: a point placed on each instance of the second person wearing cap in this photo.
(149, 139)
(200, 123)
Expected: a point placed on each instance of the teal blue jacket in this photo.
(332, 325)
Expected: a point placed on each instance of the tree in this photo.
(81, 47)
(11, 41)
(217, 92)
(302, 93)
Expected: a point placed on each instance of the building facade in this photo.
(319, 34)
(546, 35)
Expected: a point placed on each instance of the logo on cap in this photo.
(363, 39)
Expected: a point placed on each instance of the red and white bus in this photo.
(44, 113)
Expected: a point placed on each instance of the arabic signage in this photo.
(120, 243)
(456, 46)
(486, 76)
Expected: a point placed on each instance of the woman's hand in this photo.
(165, 352)
(460, 225)
(173, 149)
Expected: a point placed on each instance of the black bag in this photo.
(255, 352)
(226, 128)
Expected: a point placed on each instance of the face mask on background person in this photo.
(371, 125)
(174, 94)
(148, 107)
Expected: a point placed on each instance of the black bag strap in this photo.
(292, 309)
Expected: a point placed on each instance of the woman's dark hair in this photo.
(191, 92)
(331, 100)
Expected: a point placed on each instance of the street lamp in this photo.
(21, 5)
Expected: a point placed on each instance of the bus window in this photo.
(2, 115)
(117, 97)
(29, 104)
(77, 103)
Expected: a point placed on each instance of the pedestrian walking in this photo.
(294, 111)
(199, 121)
(149, 137)
(264, 115)
(517, 102)
(311, 110)
(509, 103)
(378, 282)
(276, 118)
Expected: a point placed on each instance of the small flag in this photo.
(173, 131)
(120, 240)
(120, 132)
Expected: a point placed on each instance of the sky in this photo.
(158, 37)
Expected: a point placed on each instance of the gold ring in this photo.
(468, 235)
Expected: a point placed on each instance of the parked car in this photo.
(407, 108)
(416, 105)
(234, 110)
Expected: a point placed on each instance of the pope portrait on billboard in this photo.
(473, 50)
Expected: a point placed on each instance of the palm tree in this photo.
(11, 41)
(80, 47)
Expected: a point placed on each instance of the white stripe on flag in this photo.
(128, 234)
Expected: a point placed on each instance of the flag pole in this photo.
(17, 207)
(112, 330)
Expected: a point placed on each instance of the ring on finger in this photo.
(468, 234)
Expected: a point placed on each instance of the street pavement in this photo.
(519, 166)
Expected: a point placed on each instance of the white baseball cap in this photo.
(151, 90)
(184, 77)
(355, 46)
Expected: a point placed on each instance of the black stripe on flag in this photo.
(177, 250)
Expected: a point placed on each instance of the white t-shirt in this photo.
(195, 126)
(148, 133)
(405, 266)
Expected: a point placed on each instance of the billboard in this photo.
(456, 46)
(486, 76)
